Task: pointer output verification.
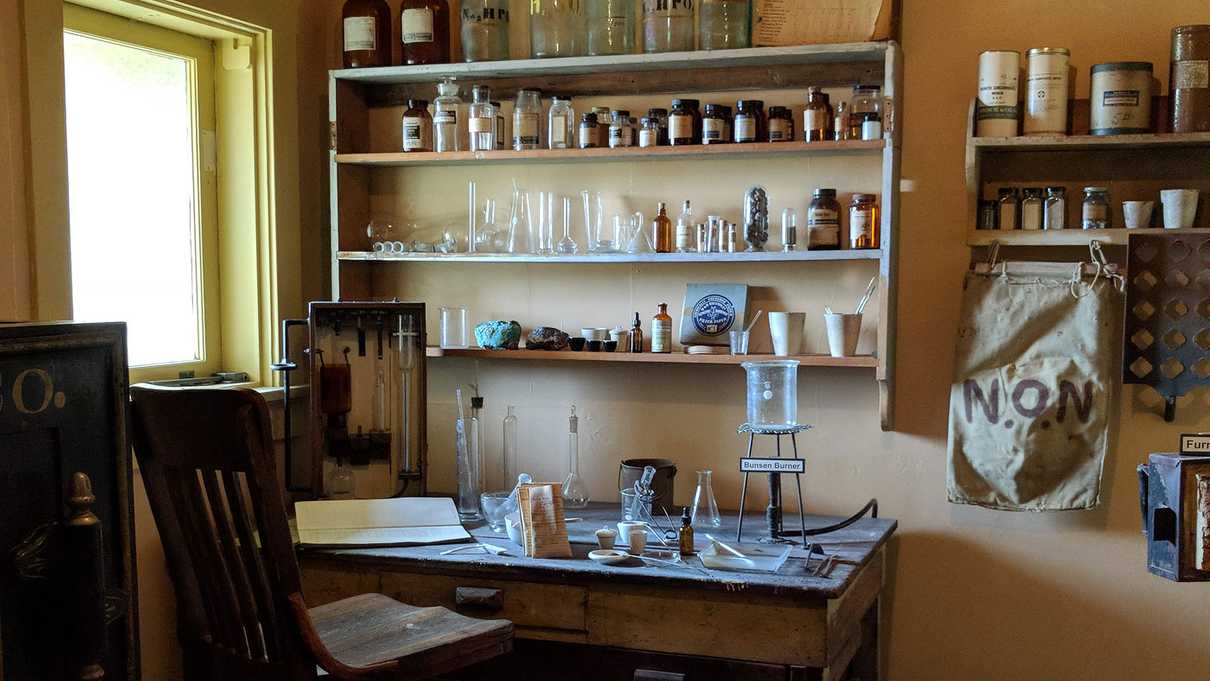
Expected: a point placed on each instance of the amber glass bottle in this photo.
(662, 231)
(661, 330)
(426, 31)
(367, 33)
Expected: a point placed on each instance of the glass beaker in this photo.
(635, 506)
(772, 393)
(453, 327)
(705, 507)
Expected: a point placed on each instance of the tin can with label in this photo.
(1189, 82)
(996, 111)
(1120, 100)
(1046, 86)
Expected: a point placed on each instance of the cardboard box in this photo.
(780, 23)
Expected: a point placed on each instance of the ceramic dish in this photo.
(609, 556)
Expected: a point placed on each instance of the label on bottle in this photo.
(823, 227)
(360, 34)
(745, 129)
(525, 129)
(680, 127)
(649, 138)
(816, 119)
(588, 137)
(861, 226)
(501, 138)
(779, 130)
(1191, 73)
(1008, 215)
(871, 129)
(713, 130)
(661, 335)
(1095, 215)
(617, 137)
(487, 125)
(413, 133)
(558, 132)
(485, 14)
(417, 26)
(482, 133)
(685, 236)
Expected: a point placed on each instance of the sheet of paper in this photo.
(542, 526)
(379, 522)
(795, 22)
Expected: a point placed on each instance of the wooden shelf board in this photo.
(1091, 142)
(668, 61)
(858, 362)
(1065, 237)
(605, 258)
(696, 151)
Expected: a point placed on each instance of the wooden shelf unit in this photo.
(857, 362)
(354, 159)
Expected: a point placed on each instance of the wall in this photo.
(15, 281)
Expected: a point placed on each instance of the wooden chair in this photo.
(206, 457)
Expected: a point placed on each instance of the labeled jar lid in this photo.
(418, 103)
(688, 103)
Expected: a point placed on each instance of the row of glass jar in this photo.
(686, 124)
(1034, 208)
(558, 28)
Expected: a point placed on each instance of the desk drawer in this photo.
(525, 604)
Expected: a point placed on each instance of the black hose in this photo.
(871, 507)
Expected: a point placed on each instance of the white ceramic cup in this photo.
(785, 328)
(1180, 207)
(843, 333)
(1137, 214)
(606, 537)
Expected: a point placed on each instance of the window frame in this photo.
(199, 55)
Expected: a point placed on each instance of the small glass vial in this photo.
(866, 112)
(1009, 203)
(749, 120)
(649, 132)
(1031, 208)
(817, 119)
(445, 116)
(502, 138)
(603, 118)
(863, 222)
(781, 124)
(587, 134)
(1055, 209)
(484, 30)
(481, 119)
(840, 122)
(561, 124)
(417, 126)
(526, 114)
(681, 123)
(1094, 212)
(660, 115)
(620, 132)
(823, 221)
(714, 125)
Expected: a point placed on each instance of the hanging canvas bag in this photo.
(1034, 381)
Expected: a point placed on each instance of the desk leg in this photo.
(867, 662)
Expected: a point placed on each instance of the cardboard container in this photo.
(779, 23)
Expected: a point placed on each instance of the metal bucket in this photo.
(662, 485)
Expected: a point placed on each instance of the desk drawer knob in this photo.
(476, 597)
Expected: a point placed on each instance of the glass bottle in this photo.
(660, 115)
(681, 123)
(714, 125)
(649, 133)
(502, 138)
(554, 28)
(610, 26)
(587, 138)
(1094, 212)
(1008, 203)
(685, 535)
(667, 25)
(620, 132)
(445, 116)
(526, 114)
(661, 330)
(724, 24)
(840, 122)
(1056, 208)
(367, 33)
(341, 481)
(863, 222)
(481, 119)
(470, 469)
(1031, 208)
(865, 112)
(417, 126)
(575, 490)
(817, 119)
(781, 125)
(705, 507)
(661, 232)
(823, 221)
(685, 236)
(425, 31)
(561, 124)
(508, 459)
(635, 338)
(749, 120)
(484, 30)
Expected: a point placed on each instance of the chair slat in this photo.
(219, 508)
(262, 591)
(224, 591)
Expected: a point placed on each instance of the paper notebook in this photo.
(368, 523)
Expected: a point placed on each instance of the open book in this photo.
(366, 523)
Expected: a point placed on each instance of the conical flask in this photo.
(705, 508)
(575, 490)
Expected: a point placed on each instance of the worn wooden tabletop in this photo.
(853, 547)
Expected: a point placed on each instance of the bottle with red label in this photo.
(425, 29)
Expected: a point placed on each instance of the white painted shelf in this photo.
(1065, 237)
(604, 258)
(1091, 142)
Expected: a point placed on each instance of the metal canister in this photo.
(996, 111)
(1121, 98)
(1189, 81)
(1046, 84)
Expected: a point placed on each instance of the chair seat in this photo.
(372, 628)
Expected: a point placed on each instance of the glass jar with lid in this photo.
(366, 33)
(587, 137)
(817, 119)
(1009, 205)
(1055, 209)
(863, 222)
(1031, 208)
(781, 124)
(714, 125)
(1094, 211)
(649, 132)
(668, 25)
(425, 27)
(560, 124)
(610, 26)
(823, 221)
(749, 120)
(527, 113)
(445, 116)
(555, 27)
(682, 123)
(417, 126)
(620, 132)
(724, 24)
(484, 30)
(865, 112)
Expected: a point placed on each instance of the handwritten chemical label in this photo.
(1191, 74)
(754, 465)
(360, 34)
(1195, 444)
(417, 26)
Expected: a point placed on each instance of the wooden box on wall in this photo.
(63, 411)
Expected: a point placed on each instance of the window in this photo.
(140, 107)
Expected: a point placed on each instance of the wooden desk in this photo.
(583, 621)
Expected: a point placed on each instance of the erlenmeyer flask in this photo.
(637, 240)
(705, 508)
(575, 490)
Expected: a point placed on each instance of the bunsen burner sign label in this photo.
(1195, 444)
(754, 465)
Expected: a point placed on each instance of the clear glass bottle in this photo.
(1056, 208)
(575, 490)
(685, 236)
(620, 132)
(649, 132)
(470, 469)
(555, 27)
(865, 112)
(508, 458)
(840, 122)
(667, 25)
(445, 116)
(1094, 212)
(341, 481)
(610, 26)
(1009, 204)
(481, 119)
(1031, 208)
(526, 116)
(560, 124)
(724, 24)
(484, 30)
(705, 507)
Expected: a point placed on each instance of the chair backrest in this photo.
(206, 458)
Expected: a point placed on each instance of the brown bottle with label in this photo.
(685, 536)
(366, 33)
(817, 119)
(662, 235)
(661, 330)
(425, 29)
